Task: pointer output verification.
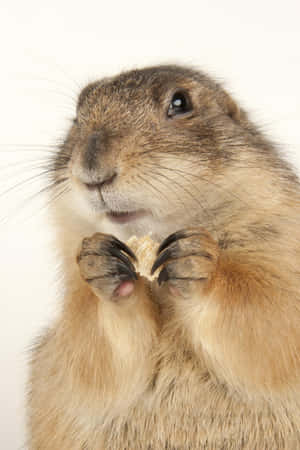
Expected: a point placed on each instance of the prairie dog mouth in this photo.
(125, 217)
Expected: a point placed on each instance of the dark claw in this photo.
(163, 276)
(121, 246)
(170, 239)
(118, 254)
(125, 272)
(161, 259)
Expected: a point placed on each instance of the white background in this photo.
(49, 50)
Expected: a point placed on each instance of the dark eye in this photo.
(180, 104)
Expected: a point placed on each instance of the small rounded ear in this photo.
(231, 107)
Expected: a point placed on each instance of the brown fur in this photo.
(211, 361)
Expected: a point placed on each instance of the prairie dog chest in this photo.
(194, 413)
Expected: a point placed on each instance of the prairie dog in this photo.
(207, 354)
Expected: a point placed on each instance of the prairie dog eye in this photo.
(180, 104)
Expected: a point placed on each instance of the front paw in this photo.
(105, 264)
(188, 258)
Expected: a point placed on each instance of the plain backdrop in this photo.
(49, 51)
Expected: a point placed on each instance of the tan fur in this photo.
(145, 250)
(211, 361)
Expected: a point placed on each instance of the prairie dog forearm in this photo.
(244, 301)
(129, 328)
(105, 349)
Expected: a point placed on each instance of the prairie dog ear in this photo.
(230, 106)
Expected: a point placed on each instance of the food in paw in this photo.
(145, 250)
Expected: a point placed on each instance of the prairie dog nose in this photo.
(94, 179)
(98, 184)
(94, 167)
(95, 146)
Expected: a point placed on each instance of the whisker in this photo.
(50, 187)
(204, 209)
(157, 174)
(40, 162)
(194, 186)
(182, 188)
(209, 181)
(28, 180)
(34, 164)
(28, 147)
(154, 187)
(198, 177)
(58, 195)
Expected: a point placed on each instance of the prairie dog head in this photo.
(154, 150)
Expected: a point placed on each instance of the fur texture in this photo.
(208, 357)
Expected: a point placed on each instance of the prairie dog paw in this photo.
(105, 263)
(188, 259)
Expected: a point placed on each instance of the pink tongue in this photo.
(125, 288)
